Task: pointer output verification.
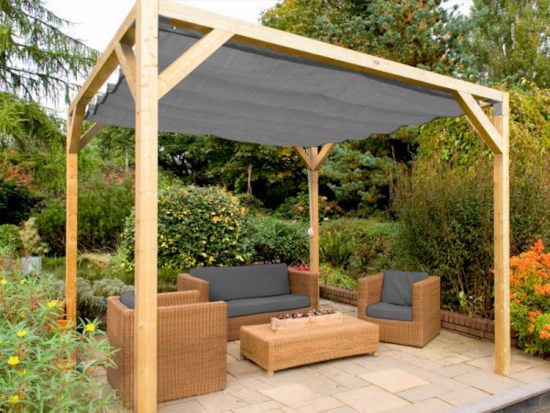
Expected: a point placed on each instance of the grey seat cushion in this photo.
(258, 305)
(397, 286)
(249, 281)
(390, 311)
(128, 298)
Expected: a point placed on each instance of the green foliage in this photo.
(92, 296)
(32, 244)
(297, 208)
(269, 173)
(197, 226)
(418, 33)
(277, 240)
(358, 179)
(445, 204)
(361, 246)
(510, 40)
(9, 238)
(447, 215)
(16, 202)
(530, 299)
(37, 59)
(336, 277)
(100, 218)
(37, 368)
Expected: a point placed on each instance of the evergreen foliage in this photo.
(37, 58)
(415, 32)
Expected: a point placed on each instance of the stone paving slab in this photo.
(451, 371)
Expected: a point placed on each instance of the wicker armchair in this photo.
(395, 326)
(191, 349)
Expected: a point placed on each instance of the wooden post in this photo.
(502, 241)
(145, 327)
(313, 186)
(74, 127)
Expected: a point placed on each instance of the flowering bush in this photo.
(530, 299)
(45, 365)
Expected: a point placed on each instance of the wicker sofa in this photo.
(191, 348)
(254, 293)
(406, 305)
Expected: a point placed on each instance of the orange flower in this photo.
(545, 335)
(531, 328)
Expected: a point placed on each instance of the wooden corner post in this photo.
(145, 327)
(74, 128)
(502, 239)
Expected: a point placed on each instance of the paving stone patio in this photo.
(453, 371)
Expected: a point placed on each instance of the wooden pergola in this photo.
(135, 49)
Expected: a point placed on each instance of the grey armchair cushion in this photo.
(250, 281)
(397, 286)
(259, 305)
(390, 311)
(128, 298)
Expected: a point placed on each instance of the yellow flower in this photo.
(3, 281)
(21, 333)
(22, 281)
(13, 361)
(52, 303)
(90, 327)
(13, 399)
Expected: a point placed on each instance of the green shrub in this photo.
(9, 238)
(92, 296)
(446, 217)
(103, 205)
(277, 240)
(37, 353)
(336, 277)
(361, 246)
(16, 202)
(196, 226)
(297, 208)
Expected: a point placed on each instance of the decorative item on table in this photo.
(313, 318)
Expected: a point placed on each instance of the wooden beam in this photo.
(74, 127)
(191, 59)
(145, 328)
(320, 51)
(304, 156)
(89, 134)
(502, 241)
(323, 154)
(481, 122)
(127, 61)
(106, 64)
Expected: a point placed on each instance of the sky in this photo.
(96, 21)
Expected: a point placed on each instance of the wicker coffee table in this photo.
(277, 350)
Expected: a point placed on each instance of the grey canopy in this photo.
(252, 94)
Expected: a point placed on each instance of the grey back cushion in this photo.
(128, 298)
(397, 286)
(250, 281)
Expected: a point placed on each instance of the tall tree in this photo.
(419, 33)
(37, 59)
(510, 40)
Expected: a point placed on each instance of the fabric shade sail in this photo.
(247, 93)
